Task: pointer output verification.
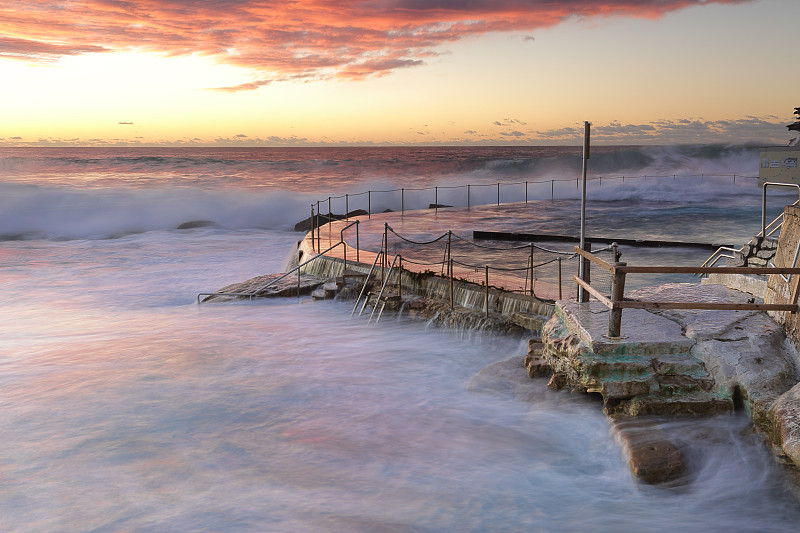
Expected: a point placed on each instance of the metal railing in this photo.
(519, 192)
(616, 301)
(767, 230)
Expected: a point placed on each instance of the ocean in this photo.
(125, 406)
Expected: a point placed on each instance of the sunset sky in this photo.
(285, 72)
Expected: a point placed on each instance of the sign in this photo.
(790, 162)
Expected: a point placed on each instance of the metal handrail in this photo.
(764, 201)
(255, 292)
(366, 281)
(383, 287)
(767, 230)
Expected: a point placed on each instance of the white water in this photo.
(124, 406)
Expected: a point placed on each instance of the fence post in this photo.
(450, 264)
(400, 278)
(560, 297)
(531, 269)
(385, 248)
(487, 291)
(617, 295)
(585, 273)
(319, 238)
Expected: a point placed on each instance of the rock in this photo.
(196, 224)
(323, 218)
(652, 457)
(785, 416)
(438, 206)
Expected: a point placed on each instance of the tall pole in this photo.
(582, 296)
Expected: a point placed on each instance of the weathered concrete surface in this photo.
(649, 371)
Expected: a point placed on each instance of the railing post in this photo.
(313, 246)
(526, 192)
(436, 199)
(358, 259)
(552, 190)
(400, 278)
(385, 248)
(498, 193)
(487, 292)
(584, 273)
(531, 269)
(468, 191)
(402, 202)
(347, 207)
(450, 264)
(369, 204)
(298, 282)
(330, 211)
(319, 237)
(617, 296)
(560, 297)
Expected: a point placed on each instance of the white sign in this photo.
(790, 162)
(774, 164)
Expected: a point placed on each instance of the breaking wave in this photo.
(75, 193)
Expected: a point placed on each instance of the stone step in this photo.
(695, 403)
(330, 288)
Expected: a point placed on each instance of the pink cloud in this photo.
(286, 39)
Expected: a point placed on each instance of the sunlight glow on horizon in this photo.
(701, 67)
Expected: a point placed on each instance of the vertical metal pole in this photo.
(531, 269)
(313, 246)
(385, 248)
(369, 204)
(330, 212)
(436, 199)
(582, 297)
(560, 297)
(498, 194)
(450, 264)
(358, 247)
(526, 192)
(400, 278)
(468, 191)
(552, 190)
(402, 202)
(319, 237)
(449, 244)
(487, 292)
(347, 207)
(298, 283)
(617, 295)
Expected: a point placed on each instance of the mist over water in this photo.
(68, 193)
(128, 407)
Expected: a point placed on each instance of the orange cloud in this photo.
(288, 39)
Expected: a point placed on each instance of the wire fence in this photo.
(440, 196)
(530, 269)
